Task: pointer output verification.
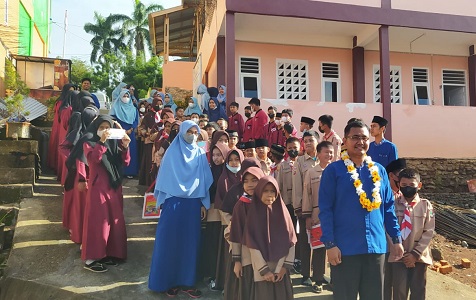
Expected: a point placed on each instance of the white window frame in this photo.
(392, 68)
(422, 84)
(326, 79)
(292, 61)
(242, 75)
(464, 85)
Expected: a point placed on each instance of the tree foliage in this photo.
(79, 70)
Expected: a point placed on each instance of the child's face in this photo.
(217, 157)
(234, 161)
(250, 152)
(179, 112)
(167, 127)
(269, 194)
(262, 152)
(212, 104)
(233, 141)
(250, 181)
(310, 143)
(223, 139)
(409, 182)
(210, 130)
(233, 109)
(326, 155)
(293, 146)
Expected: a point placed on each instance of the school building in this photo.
(412, 62)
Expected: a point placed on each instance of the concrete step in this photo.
(24, 146)
(20, 161)
(10, 193)
(17, 176)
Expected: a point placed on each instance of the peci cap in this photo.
(380, 121)
(308, 120)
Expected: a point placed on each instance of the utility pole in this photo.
(65, 28)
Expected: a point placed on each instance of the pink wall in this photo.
(460, 7)
(374, 3)
(268, 54)
(178, 74)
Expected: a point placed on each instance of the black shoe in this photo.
(96, 267)
(317, 288)
(297, 267)
(109, 261)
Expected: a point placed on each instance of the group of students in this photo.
(234, 209)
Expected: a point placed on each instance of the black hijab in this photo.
(111, 160)
(65, 91)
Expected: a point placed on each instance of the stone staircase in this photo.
(17, 169)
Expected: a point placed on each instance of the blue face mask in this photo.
(233, 170)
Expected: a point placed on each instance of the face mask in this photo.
(157, 107)
(190, 138)
(100, 133)
(277, 122)
(293, 153)
(125, 99)
(247, 115)
(284, 120)
(409, 191)
(161, 106)
(271, 116)
(202, 144)
(142, 109)
(321, 130)
(233, 170)
(191, 105)
(195, 120)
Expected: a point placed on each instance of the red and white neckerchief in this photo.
(157, 117)
(165, 135)
(327, 137)
(406, 226)
(273, 169)
(245, 198)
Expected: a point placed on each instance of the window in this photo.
(395, 84)
(330, 82)
(421, 87)
(454, 88)
(292, 79)
(250, 77)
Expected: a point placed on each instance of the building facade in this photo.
(412, 62)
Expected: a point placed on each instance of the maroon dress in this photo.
(104, 228)
(62, 132)
(53, 143)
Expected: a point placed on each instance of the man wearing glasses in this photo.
(356, 210)
(381, 150)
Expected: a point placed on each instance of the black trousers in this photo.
(359, 275)
(294, 219)
(409, 279)
(316, 257)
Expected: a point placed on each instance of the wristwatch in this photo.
(329, 245)
(397, 240)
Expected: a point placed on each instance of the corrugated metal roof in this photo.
(34, 108)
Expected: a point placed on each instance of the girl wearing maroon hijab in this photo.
(240, 284)
(270, 236)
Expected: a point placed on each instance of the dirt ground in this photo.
(453, 252)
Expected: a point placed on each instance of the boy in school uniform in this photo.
(235, 120)
(247, 130)
(417, 225)
(310, 212)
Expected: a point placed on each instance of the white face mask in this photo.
(191, 105)
(284, 120)
(142, 109)
(195, 120)
(233, 170)
(100, 133)
(277, 122)
(125, 99)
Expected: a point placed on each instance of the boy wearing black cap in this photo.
(306, 125)
(233, 139)
(325, 127)
(277, 157)
(235, 120)
(262, 150)
(381, 150)
(248, 129)
(249, 149)
(301, 166)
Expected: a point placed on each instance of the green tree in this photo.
(108, 74)
(79, 70)
(106, 39)
(142, 73)
(136, 26)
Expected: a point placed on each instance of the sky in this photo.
(77, 42)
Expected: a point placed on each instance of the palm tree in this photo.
(106, 38)
(136, 26)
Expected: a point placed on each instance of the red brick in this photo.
(446, 269)
(444, 262)
(466, 263)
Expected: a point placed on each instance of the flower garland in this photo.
(364, 200)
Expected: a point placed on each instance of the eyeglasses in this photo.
(356, 138)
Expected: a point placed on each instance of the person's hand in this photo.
(280, 275)
(409, 260)
(238, 269)
(397, 251)
(308, 223)
(203, 212)
(269, 277)
(334, 256)
(105, 135)
(125, 141)
(82, 186)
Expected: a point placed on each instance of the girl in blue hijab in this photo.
(115, 93)
(169, 100)
(203, 91)
(151, 95)
(222, 96)
(215, 111)
(182, 190)
(192, 107)
(124, 111)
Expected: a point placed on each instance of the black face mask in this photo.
(247, 115)
(409, 191)
(293, 153)
(157, 107)
(271, 116)
(320, 129)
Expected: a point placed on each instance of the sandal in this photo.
(95, 267)
(172, 292)
(109, 261)
(317, 288)
(193, 293)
